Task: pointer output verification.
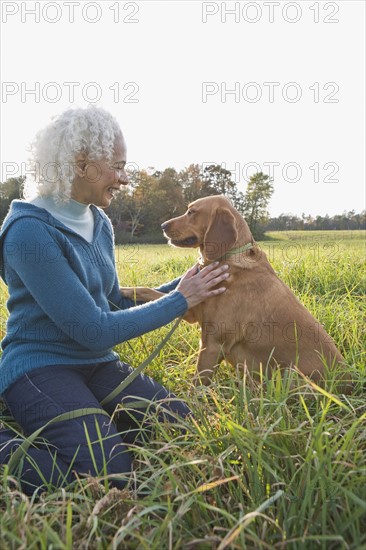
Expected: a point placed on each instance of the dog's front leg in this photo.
(209, 358)
(193, 315)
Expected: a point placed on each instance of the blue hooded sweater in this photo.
(65, 307)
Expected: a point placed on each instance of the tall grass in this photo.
(259, 466)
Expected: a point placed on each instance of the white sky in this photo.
(165, 54)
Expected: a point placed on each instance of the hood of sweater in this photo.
(20, 209)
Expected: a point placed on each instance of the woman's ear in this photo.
(221, 234)
(80, 165)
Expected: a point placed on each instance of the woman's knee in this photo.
(106, 456)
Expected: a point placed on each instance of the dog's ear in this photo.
(221, 234)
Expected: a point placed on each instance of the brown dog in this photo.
(257, 320)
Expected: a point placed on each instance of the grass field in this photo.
(255, 469)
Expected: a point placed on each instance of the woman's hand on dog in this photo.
(196, 286)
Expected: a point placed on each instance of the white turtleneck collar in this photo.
(73, 214)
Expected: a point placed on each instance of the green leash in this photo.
(141, 367)
(23, 448)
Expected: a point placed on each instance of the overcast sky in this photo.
(272, 86)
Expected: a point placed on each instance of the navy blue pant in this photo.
(91, 444)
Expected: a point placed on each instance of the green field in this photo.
(259, 467)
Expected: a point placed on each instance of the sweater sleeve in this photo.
(168, 287)
(60, 293)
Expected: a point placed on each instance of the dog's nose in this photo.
(164, 225)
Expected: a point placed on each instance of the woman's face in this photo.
(97, 181)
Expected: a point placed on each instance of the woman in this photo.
(66, 310)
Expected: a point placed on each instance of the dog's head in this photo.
(210, 223)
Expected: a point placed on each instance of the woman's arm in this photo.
(59, 292)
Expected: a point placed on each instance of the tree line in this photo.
(154, 196)
(289, 222)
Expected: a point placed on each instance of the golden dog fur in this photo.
(257, 322)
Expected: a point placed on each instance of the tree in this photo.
(151, 198)
(9, 190)
(218, 181)
(191, 181)
(164, 198)
(125, 212)
(198, 182)
(256, 199)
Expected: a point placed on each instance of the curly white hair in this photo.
(90, 130)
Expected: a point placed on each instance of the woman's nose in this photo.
(123, 178)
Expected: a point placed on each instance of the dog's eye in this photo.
(190, 212)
